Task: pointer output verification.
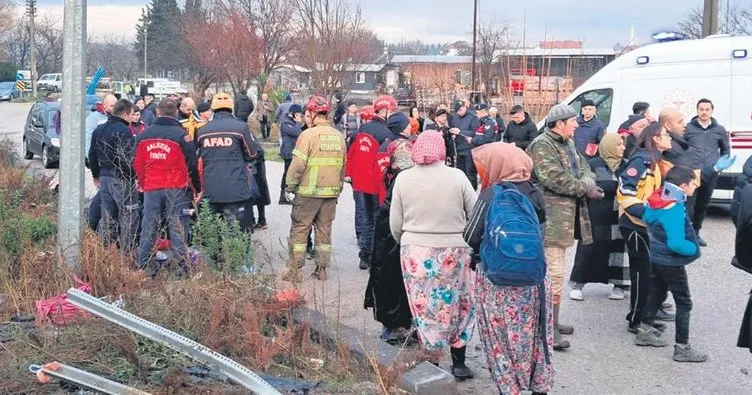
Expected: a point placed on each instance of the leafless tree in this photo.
(736, 21)
(331, 36)
(49, 41)
(491, 40)
(115, 54)
(7, 16)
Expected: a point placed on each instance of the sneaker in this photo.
(655, 324)
(616, 294)
(364, 265)
(667, 306)
(576, 294)
(701, 243)
(319, 273)
(685, 353)
(649, 336)
(260, 226)
(665, 316)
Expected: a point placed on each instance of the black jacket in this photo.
(112, 150)
(742, 180)
(451, 149)
(708, 145)
(521, 134)
(680, 153)
(290, 131)
(259, 175)
(225, 147)
(467, 125)
(376, 128)
(243, 107)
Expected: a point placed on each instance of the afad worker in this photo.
(314, 182)
(225, 149)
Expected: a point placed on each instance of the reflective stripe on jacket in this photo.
(318, 162)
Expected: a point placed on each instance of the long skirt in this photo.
(440, 289)
(509, 328)
(603, 261)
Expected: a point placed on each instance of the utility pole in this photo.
(146, 45)
(32, 11)
(475, 34)
(710, 17)
(72, 188)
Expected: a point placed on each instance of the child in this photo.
(673, 245)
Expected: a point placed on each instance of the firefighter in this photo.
(225, 150)
(314, 182)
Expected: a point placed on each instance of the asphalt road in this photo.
(602, 360)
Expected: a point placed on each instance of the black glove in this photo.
(595, 193)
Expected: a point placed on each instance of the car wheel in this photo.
(27, 154)
(46, 162)
(55, 89)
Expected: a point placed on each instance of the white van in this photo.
(159, 87)
(678, 74)
(51, 82)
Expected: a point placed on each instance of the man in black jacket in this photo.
(462, 126)
(521, 130)
(225, 150)
(110, 158)
(709, 141)
(243, 107)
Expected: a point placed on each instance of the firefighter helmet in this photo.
(221, 101)
(384, 102)
(317, 105)
(366, 113)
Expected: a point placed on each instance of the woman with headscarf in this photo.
(435, 258)
(603, 260)
(385, 292)
(510, 325)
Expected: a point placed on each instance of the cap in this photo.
(397, 122)
(440, 112)
(295, 109)
(560, 112)
(481, 107)
(203, 107)
(457, 105)
(587, 103)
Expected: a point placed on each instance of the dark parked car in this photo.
(8, 90)
(42, 133)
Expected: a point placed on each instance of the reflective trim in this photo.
(324, 247)
(300, 155)
(320, 162)
(299, 247)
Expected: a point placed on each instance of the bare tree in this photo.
(115, 54)
(331, 36)
(49, 41)
(491, 40)
(734, 20)
(7, 16)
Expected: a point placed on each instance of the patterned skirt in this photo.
(439, 284)
(508, 326)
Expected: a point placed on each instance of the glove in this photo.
(595, 193)
(289, 196)
(724, 163)
(589, 183)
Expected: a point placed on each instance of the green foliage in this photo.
(277, 96)
(224, 247)
(17, 227)
(7, 71)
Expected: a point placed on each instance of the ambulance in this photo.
(677, 74)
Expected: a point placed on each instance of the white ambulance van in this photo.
(677, 74)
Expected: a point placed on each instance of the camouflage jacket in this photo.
(563, 190)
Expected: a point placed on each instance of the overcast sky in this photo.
(598, 23)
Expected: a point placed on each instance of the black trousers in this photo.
(674, 279)
(283, 185)
(266, 129)
(697, 205)
(639, 273)
(466, 164)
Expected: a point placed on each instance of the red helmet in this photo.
(317, 105)
(366, 113)
(383, 102)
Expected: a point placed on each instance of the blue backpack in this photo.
(512, 246)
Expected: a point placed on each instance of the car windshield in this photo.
(48, 77)
(7, 85)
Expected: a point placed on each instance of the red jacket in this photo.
(359, 166)
(166, 157)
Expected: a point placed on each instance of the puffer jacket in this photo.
(290, 131)
(673, 241)
(708, 145)
(521, 134)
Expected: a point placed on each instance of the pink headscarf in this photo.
(429, 148)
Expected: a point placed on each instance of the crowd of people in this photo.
(507, 201)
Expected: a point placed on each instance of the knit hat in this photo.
(560, 112)
(295, 109)
(203, 107)
(587, 103)
(429, 148)
(397, 122)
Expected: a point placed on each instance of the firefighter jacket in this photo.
(318, 162)
(165, 157)
(192, 123)
(360, 163)
(225, 148)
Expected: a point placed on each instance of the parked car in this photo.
(52, 82)
(8, 90)
(42, 133)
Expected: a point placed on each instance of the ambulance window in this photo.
(602, 99)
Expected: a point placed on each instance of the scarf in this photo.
(609, 151)
(400, 152)
(429, 148)
(501, 162)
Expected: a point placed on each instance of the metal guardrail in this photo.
(233, 370)
(88, 380)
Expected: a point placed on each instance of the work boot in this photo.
(559, 343)
(649, 336)
(701, 243)
(460, 371)
(319, 273)
(561, 328)
(685, 353)
(292, 275)
(261, 225)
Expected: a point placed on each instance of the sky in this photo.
(597, 23)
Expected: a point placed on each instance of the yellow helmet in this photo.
(221, 101)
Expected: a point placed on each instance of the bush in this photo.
(222, 245)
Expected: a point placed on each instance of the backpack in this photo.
(512, 247)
